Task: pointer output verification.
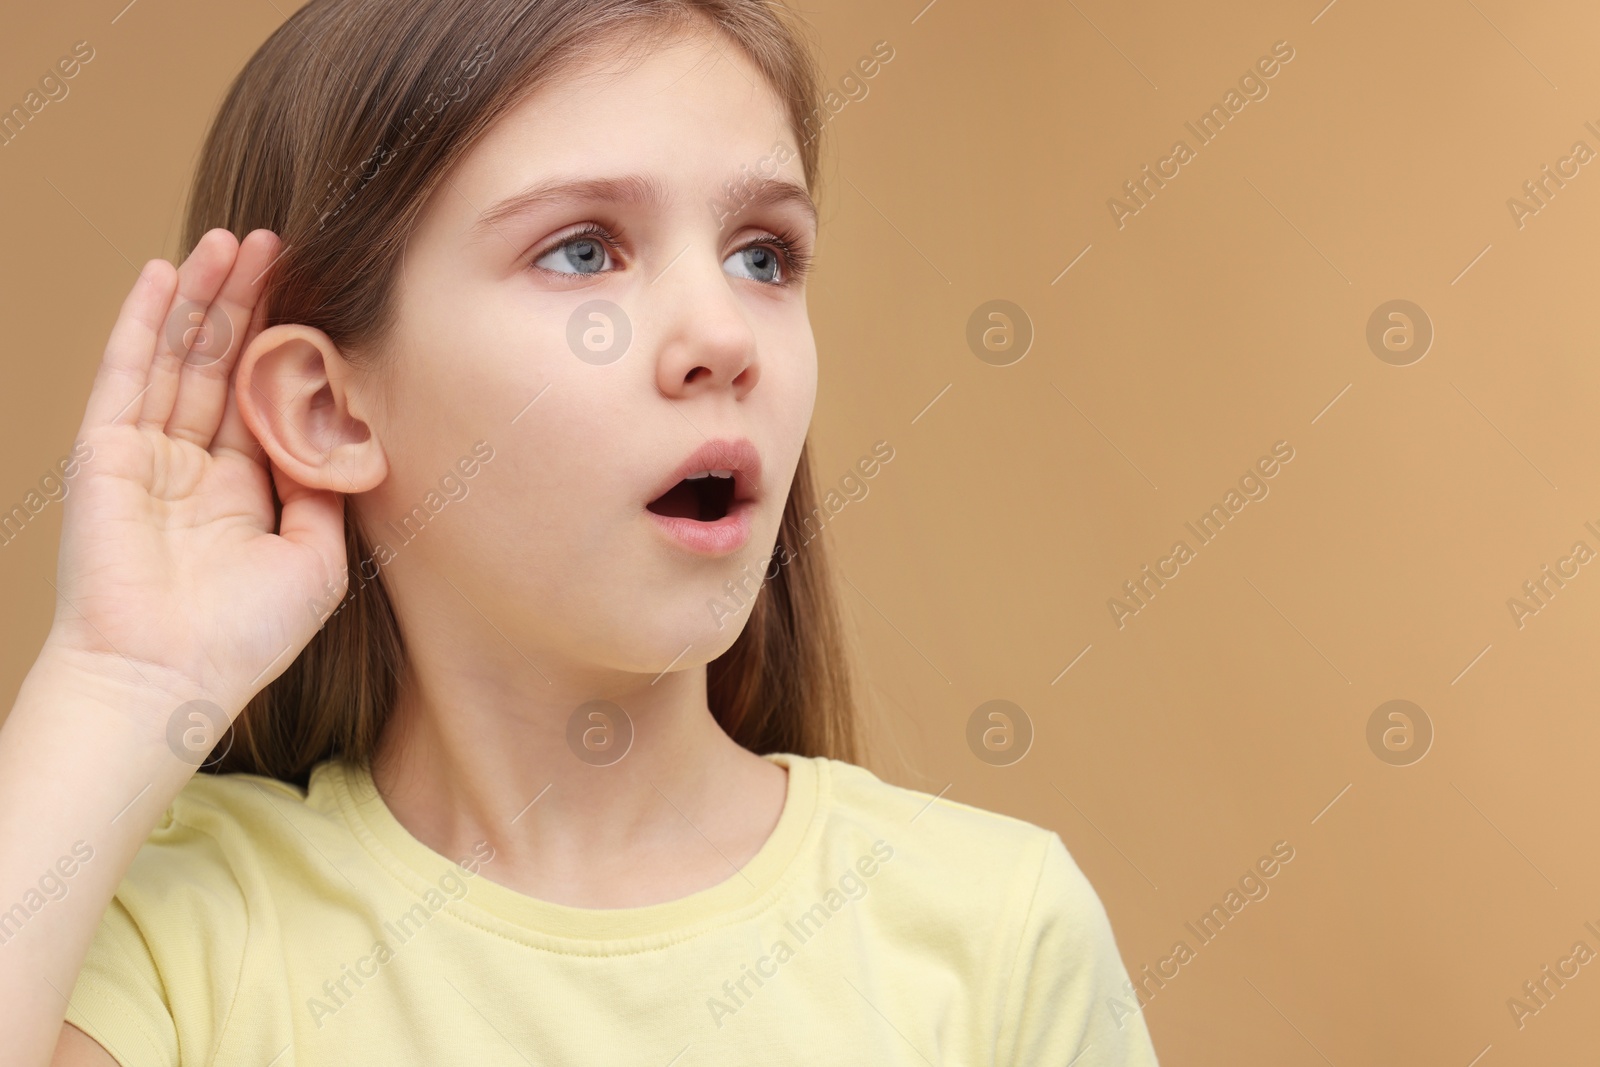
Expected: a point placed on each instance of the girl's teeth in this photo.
(713, 474)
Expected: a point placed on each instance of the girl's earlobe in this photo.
(306, 405)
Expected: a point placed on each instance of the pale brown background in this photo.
(1224, 317)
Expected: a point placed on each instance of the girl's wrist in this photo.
(85, 751)
(140, 701)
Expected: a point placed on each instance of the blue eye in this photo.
(581, 251)
(760, 260)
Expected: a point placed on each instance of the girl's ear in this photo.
(309, 409)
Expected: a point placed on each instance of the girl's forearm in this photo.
(85, 773)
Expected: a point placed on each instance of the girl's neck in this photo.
(570, 821)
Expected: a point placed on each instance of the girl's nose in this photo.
(703, 338)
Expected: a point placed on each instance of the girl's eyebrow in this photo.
(641, 189)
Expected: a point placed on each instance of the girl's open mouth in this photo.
(707, 508)
(702, 515)
(704, 497)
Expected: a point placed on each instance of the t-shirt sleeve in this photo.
(119, 999)
(162, 972)
(1065, 977)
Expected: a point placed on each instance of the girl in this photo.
(452, 520)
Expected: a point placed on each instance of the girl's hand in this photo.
(169, 563)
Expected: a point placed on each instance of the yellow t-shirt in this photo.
(263, 925)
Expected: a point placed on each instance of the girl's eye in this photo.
(758, 262)
(583, 252)
(775, 260)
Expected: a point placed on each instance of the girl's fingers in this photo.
(233, 434)
(118, 393)
(313, 518)
(205, 372)
(199, 278)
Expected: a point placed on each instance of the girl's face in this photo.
(594, 336)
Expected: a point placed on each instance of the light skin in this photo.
(547, 586)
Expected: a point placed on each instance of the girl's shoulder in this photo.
(222, 829)
(857, 793)
(967, 851)
(197, 903)
(217, 801)
(989, 896)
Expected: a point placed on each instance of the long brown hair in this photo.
(333, 136)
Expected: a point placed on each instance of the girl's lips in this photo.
(725, 535)
(720, 453)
